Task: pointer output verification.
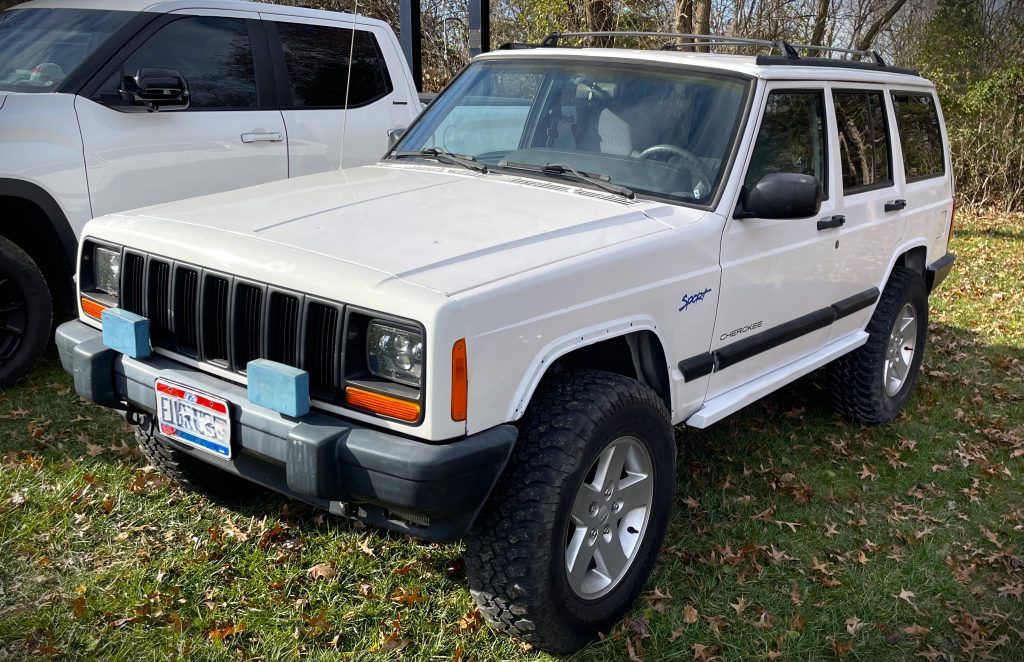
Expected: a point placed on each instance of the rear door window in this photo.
(317, 59)
(917, 119)
(865, 155)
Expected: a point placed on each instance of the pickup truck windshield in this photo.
(663, 132)
(39, 48)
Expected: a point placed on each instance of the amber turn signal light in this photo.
(385, 405)
(460, 381)
(92, 308)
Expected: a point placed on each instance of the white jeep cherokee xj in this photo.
(247, 93)
(492, 332)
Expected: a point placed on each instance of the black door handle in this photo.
(834, 222)
(895, 205)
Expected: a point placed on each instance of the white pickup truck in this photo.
(247, 93)
(491, 332)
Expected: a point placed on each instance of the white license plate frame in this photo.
(193, 417)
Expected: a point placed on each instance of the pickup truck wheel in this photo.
(873, 383)
(572, 531)
(193, 475)
(26, 313)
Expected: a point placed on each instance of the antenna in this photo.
(348, 84)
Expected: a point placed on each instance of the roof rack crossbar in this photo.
(783, 47)
(875, 55)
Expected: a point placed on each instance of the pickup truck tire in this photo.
(26, 312)
(593, 472)
(193, 475)
(873, 383)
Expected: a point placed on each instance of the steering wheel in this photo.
(704, 175)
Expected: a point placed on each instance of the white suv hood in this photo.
(439, 228)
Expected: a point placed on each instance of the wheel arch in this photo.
(631, 347)
(38, 225)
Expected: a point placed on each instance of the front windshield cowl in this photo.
(662, 131)
(41, 47)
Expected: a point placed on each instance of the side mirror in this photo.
(394, 135)
(156, 89)
(781, 195)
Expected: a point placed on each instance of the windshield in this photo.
(39, 48)
(661, 131)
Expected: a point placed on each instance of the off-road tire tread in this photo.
(503, 548)
(853, 378)
(193, 475)
(38, 297)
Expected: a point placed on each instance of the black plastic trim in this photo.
(850, 305)
(16, 188)
(776, 60)
(938, 270)
(697, 366)
(704, 364)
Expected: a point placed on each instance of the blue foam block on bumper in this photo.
(279, 387)
(126, 332)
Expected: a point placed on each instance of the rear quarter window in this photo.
(917, 120)
(317, 59)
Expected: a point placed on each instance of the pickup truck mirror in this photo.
(394, 135)
(156, 89)
(781, 195)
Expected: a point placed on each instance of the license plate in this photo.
(193, 417)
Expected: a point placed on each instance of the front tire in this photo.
(192, 474)
(873, 383)
(26, 313)
(571, 533)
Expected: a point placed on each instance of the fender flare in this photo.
(569, 342)
(17, 188)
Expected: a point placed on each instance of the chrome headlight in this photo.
(395, 353)
(106, 272)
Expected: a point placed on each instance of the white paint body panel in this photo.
(528, 272)
(93, 160)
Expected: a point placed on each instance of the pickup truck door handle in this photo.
(272, 137)
(833, 222)
(895, 205)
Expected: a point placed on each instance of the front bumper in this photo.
(938, 270)
(429, 490)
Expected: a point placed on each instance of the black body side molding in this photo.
(741, 350)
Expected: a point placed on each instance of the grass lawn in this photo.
(795, 535)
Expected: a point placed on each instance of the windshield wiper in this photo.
(465, 161)
(565, 170)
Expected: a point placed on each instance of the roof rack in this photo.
(785, 49)
(787, 53)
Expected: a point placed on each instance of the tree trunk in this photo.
(820, 18)
(684, 16)
(600, 19)
(876, 27)
(702, 19)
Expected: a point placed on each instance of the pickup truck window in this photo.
(662, 132)
(791, 137)
(212, 52)
(920, 135)
(39, 48)
(864, 151)
(317, 58)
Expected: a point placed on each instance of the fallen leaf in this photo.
(740, 605)
(854, 625)
(218, 634)
(906, 596)
(407, 597)
(689, 614)
(471, 621)
(322, 571)
(916, 630)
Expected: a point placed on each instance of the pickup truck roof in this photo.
(803, 69)
(167, 6)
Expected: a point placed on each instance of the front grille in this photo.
(228, 321)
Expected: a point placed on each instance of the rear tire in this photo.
(873, 383)
(571, 533)
(26, 313)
